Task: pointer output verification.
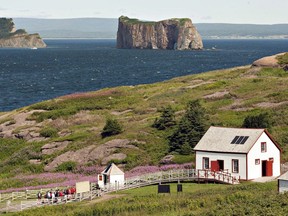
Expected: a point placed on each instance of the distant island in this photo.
(18, 38)
(107, 28)
(178, 34)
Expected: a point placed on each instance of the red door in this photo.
(215, 166)
(269, 168)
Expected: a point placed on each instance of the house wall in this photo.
(117, 178)
(282, 185)
(227, 157)
(255, 171)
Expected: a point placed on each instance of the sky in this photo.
(200, 11)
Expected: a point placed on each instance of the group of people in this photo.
(54, 196)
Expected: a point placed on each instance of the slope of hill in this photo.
(65, 133)
(107, 28)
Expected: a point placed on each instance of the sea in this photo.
(69, 66)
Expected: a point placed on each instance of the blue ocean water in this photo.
(68, 66)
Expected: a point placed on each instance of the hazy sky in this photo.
(214, 11)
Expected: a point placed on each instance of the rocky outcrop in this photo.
(53, 147)
(270, 61)
(103, 153)
(23, 41)
(179, 34)
(12, 38)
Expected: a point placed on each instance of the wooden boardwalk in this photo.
(28, 198)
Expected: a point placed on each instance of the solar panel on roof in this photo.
(244, 140)
(234, 140)
(239, 140)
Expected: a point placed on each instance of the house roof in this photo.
(283, 176)
(219, 139)
(112, 169)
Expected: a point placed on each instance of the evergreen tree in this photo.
(190, 129)
(166, 120)
(112, 127)
(257, 121)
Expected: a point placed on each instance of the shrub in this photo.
(112, 127)
(68, 166)
(257, 121)
(49, 132)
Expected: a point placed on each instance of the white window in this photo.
(235, 165)
(205, 163)
(257, 161)
(263, 147)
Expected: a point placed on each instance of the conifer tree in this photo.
(190, 129)
(166, 120)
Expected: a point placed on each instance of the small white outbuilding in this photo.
(112, 176)
(283, 183)
(245, 153)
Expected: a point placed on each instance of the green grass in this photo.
(196, 199)
(283, 59)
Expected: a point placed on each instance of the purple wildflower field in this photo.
(49, 180)
(54, 180)
(141, 170)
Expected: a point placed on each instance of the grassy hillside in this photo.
(227, 95)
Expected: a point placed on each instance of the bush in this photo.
(257, 121)
(49, 132)
(112, 127)
(166, 120)
(68, 166)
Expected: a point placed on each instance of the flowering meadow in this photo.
(54, 180)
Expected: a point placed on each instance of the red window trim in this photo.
(233, 165)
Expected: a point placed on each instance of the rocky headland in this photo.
(12, 38)
(274, 61)
(178, 34)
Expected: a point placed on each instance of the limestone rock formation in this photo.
(10, 37)
(179, 34)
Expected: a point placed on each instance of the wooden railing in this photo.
(130, 183)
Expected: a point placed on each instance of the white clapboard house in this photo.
(112, 176)
(245, 153)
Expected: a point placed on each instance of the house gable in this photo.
(264, 149)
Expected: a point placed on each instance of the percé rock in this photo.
(12, 38)
(178, 34)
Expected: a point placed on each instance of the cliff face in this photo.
(23, 41)
(10, 37)
(179, 34)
